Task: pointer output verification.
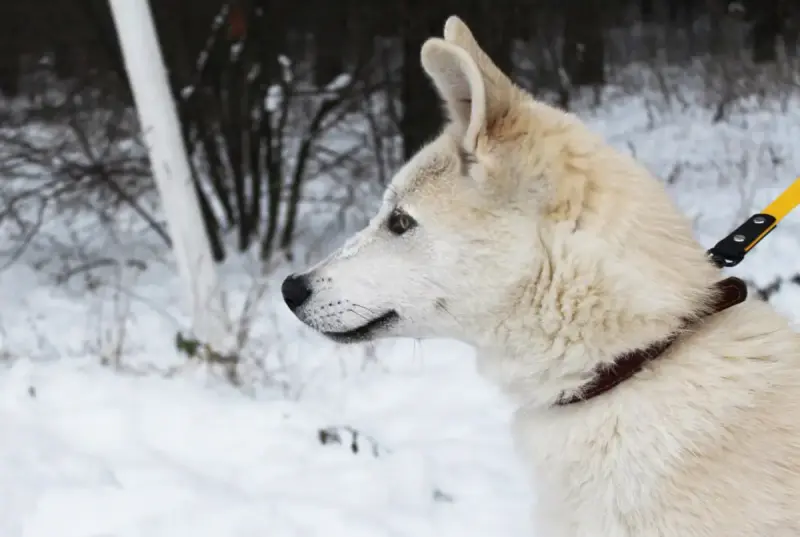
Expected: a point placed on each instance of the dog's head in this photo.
(481, 221)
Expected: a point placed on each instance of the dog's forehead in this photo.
(431, 165)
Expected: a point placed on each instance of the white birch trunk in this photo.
(158, 118)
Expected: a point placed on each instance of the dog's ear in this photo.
(458, 33)
(459, 83)
(474, 90)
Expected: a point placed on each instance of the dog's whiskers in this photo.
(370, 311)
(353, 311)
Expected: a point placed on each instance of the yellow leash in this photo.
(730, 251)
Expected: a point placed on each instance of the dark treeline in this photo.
(226, 57)
(572, 37)
(80, 32)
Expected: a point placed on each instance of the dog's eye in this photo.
(400, 222)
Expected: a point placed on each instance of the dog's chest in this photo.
(586, 477)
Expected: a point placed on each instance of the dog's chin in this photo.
(366, 332)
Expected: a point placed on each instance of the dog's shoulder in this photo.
(708, 437)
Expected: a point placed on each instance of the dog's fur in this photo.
(552, 253)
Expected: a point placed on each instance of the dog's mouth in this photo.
(366, 331)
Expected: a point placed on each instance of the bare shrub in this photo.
(70, 150)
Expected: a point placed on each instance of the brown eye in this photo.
(400, 222)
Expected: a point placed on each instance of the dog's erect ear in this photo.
(460, 84)
(475, 91)
(458, 33)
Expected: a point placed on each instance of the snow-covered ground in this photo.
(107, 431)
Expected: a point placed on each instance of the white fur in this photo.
(553, 253)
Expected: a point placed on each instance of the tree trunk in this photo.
(681, 12)
(767, 26)
(646, 10)
(330, 37)
(584, 47)
(422, 107)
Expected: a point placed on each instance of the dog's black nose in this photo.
(295, 290)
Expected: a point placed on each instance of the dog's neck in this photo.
(731, 291)
(574, 329)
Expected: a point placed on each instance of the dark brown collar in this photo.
(732, 291)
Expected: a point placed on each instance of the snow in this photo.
(96, 453)
(107, 431)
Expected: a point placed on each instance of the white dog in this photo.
(521, 232)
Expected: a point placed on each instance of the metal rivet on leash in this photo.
(730, 251)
